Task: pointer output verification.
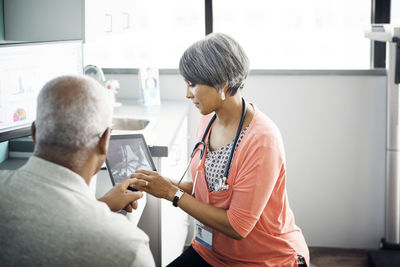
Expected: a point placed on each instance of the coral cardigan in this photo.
(256, 202)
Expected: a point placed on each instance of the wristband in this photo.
(177, 196)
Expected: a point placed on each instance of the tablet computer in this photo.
(127, 153)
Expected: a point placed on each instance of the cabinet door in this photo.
(98, 20)
(108, 26)
(105, 19)
(174, 221)
(43, 20)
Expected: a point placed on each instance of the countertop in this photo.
(165, 119)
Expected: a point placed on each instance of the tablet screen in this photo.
(127, 153)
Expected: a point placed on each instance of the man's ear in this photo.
(33, 131)
(103, 143)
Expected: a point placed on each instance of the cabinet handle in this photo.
(126, 21)
(108, 23)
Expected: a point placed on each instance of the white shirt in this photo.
(49, 217)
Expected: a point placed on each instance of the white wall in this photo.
(334, 133)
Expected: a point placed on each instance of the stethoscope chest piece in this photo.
(221, 185)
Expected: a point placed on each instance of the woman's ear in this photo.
(224, 91)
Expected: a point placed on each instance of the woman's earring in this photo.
(223, 95)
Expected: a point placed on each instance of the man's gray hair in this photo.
(72, 112)
(214, 61)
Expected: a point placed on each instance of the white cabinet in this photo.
(108, 24)
(174, 226)
(166, 225)
(46, 20)
(106, 18)
(43, 20)
(104, 25)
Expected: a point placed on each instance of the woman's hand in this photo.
(158, 186)
(119, 197)
(154, 184)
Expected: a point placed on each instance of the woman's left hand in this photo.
(154, 184)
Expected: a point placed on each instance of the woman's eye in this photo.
(192, 84)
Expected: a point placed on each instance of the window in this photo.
(291, 34)
(395, 10)
(141, 33)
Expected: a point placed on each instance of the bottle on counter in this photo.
(112, 87)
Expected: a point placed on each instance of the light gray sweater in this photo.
(49, 217)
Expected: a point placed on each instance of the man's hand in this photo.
(119, 197)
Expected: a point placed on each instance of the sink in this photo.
(128, 124)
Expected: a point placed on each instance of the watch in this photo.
(177, 196)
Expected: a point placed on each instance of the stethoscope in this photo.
(222, 183)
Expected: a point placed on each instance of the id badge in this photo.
(203, 235)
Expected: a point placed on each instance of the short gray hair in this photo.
(72, 112)
(215, 60)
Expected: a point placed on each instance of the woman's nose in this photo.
(189, 93)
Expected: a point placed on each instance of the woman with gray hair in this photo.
(238, 193)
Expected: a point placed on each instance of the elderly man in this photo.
(48, 216)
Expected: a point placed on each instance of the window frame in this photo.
(380, 13)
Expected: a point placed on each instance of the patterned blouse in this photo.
(217, 160)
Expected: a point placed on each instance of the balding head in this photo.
(72, 113)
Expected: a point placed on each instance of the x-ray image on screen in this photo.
(126, 156)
